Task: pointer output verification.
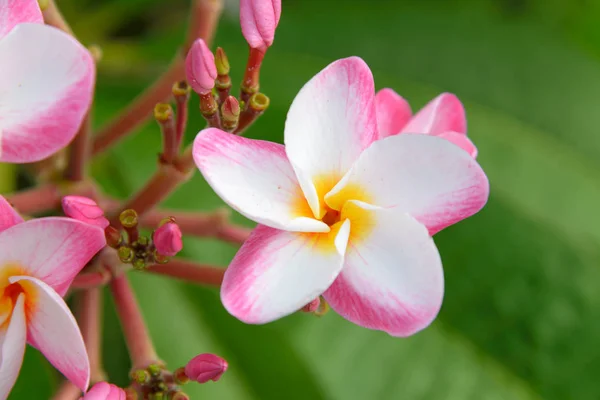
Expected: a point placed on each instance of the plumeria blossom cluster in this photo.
(346, 208)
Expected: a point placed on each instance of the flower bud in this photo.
(85, 210)
(104, 391)
(200, 68)
(205, 367)
(221, 62)
(259, 18)
(167, 239)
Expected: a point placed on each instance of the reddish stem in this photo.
(88, 280)
(79, 151)
(190, 272)
(89, 317)
(137, 337)
(36, 200)
(250, 83)
(204, 19)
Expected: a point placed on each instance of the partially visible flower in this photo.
(104, 391)
(85, 210)
(167, 239)
(341, 212)
(200, 68)
(45, 86)
(205, 367)
(259, 18)
(38, 261)
(443, 116)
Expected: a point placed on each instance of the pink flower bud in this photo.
(312, 306)
(259, 18)
(205, 367)
(104, 391)
(85, 210)
(200, 68)
(167, 239)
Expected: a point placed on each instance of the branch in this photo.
(190, 271)
(203, 24)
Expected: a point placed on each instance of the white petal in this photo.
(12, 347)
(330, 122)
(45, 91)
(276, 273)
(255, 178)
(430, 178)
(52, 329)
(392, 278)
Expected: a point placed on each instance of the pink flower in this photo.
(45, 86)
(38, 261)
(85, 210)
(205, 367)
(259, 18)
(167, 239)
(200, 68)
(104, 391)
(341, 214)
(443, 116)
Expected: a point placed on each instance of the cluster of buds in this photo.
(156, 382)
(139, 250)
(208, 73)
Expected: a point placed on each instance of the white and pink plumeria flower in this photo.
(38, 261)
(46, 84)
(342, 212)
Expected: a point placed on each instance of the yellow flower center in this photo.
(9, 293)
(335, 210)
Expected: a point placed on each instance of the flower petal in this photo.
(255, 178)
(276, 273)
(52, 329)
(442, 114)
(461, 140)
(13, 12)
(331, 121)
(393, 112)
(392, 278)
(12, 348)
(53, 249)
(8, 215)
(433, 180)
(41, 108)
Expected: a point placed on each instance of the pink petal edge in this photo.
(14, 12)
(442, 114)
(393, 112)
(8, 215)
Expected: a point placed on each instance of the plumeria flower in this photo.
(443, 116)
(341, 214)
(38, 261)
(45, 86)
(104, 391)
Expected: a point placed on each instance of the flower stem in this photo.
(190, 271)
(89, 317)
(53, 17)
(79, 152)
(204, 20)
(88, 280)
(137, 337)
(166, 179)
(36, 200)
(250, 83)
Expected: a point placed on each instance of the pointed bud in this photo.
(200, 68)
(104, 391)
(85, 210)
(259, 18)
(230, 113)
(205, 367)
(113, 236)
(167, 239)
(312, 306)
(221, 62)
(179, 396)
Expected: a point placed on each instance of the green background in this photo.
(521, 315)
